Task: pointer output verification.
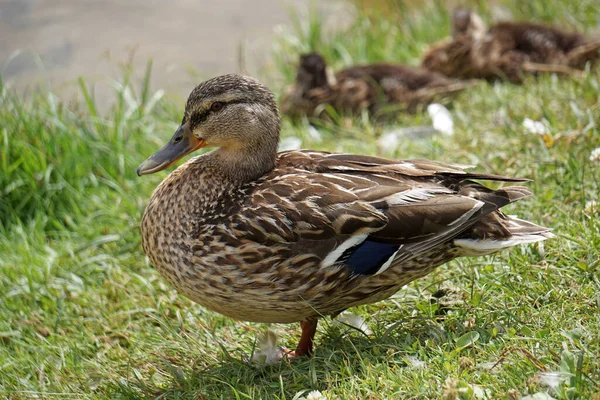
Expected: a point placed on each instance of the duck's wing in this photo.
(453, 58)
(544, 43)
(401, 84)
(365, 211)
(393, 76)
(295, 102)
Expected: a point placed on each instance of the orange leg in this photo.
(305, 346)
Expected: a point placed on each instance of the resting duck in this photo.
(367, 87)
(291, 237)
(508, 50)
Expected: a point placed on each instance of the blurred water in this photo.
(55, 41)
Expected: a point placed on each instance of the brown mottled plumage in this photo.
(373, 87)
(508, 50)
(294, 236)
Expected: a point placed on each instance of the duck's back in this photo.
(385, 87)
(411, 78)
(543, 43)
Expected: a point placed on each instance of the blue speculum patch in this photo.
(368, 257)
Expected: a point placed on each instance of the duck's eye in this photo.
(216, 106)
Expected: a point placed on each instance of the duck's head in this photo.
(233, 112)
(467, 22)
(312, 71)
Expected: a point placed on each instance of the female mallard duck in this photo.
(267, 237)
(508, 50)
(367, 87)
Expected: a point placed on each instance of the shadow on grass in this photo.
(341, 353)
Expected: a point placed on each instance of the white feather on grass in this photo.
(290, 143)
(355, 321)
(441, 118)
(267, 350)
(595, 155)
(535, 127)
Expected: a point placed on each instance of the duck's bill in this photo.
(181, 144)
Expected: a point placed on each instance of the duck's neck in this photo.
(244, 165)
(237, 166)
(245, 160)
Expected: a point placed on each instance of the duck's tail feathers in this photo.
(497, 232)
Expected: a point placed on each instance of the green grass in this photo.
(83, 314)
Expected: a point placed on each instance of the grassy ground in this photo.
(83, 314)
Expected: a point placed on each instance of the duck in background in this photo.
(508, 50)
(379, 89)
